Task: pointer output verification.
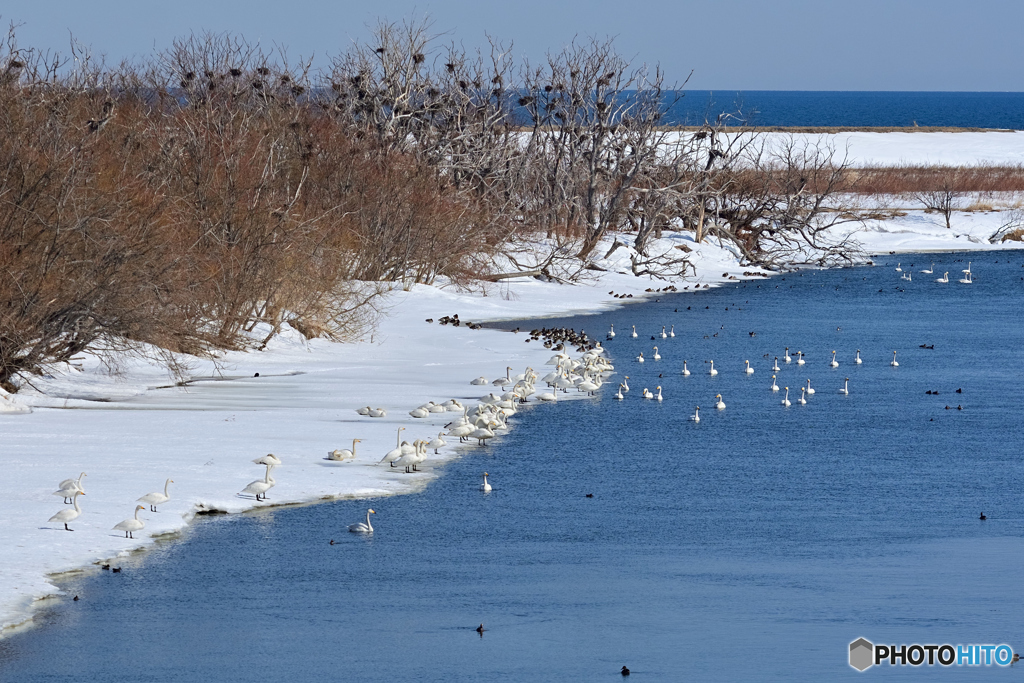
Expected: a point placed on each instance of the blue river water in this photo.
(755, 545)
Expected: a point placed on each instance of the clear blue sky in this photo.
(739, 45)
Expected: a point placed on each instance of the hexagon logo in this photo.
(861, 654)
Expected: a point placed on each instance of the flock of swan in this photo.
(71, 489)
(967, 279)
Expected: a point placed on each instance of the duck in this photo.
(749, 370)
(982, 517)
(721, 404)
(809, 390)
(696, 415)
(774, 387)
(834, 363)
(857, 359)
(713, 371)
(66, 515)
(656, 356)
(131, 525)
(785, 400)
(686, 372)
(363, 528)
(485, 487)
(846, 387)
(344, 454)
(157, 498)
(894, 363)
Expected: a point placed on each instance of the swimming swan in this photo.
(485, 487)
(775, 366)
(750, 370)
(785, 401)
(686, 373)
(834, 363)
(774, 386)
(664, 334)
(672, 332)
(361, 528)
(640, 358)
(635, 335)
(800, 358)
(696, 415)
(618, 394)
(894, 363)
(929, 271)
(713, 371)
(130, 525)
(846, 387)
(802, 400)
(657, 356)
(857, 360)
(721, 404)
(944, 279)
(156, 498)
(611, 332)
(809, 390)
(66, 516)
(658, 397)
(786, 356)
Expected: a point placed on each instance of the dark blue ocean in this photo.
(853, 109)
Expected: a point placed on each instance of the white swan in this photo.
(696, 414)
(260, 487)
(396, 453)
(268, 459)
(640, 358)
(944, 279)
(750, 370)
(834, 363)
(409, 460)
(635, 335)
(439, 442)
(547, 396)
(378, 412)
(857, 360)
(968, 269)
(721, 404)
(157, 498)
(363, 411)
(713, 371)
(664, 334)
(618, 394)
(66, 516)
(479, 381)
(929, 271)
(775, 365)
(647, 393)
(846, 387)
(657, 356)
(800, 358)
(658, 397)
(898, 269)
(802, 400)
(786, 356)
(774, 387)
(68, 488)
(894, 363)
(611, 332)
(419, 412)
(672, 332)
(130, 525)
(625, 384)
(481, 434)
(361, 528)
(809, 390)
(344, 453)
(485, 487)
(785, 400)
(503, 381)
(966, 279)
(686, 373)
(68, 483)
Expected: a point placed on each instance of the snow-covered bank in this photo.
(130, 432)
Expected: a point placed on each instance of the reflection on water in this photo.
(754, 545)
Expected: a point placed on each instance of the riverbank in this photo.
(130, 431)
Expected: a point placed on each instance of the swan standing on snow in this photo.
(360, 527)
(130, 525)
(894, 363)
(437, 443)
(157, 498)
(809, 390)
(696, 415)
(67, 488)
(846, 387)
(485, 487)
(721, 404)
(344, 454)
(713, 371)
(657, 356)
(260, 487)
(611, 332)
(634, 332)
(785, 400)
(834, 363)
(66, 516)
(774, 387)
(750, 370)
(686, 373)
(396, 453)
(857, 360)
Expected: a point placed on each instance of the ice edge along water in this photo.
(130, 437)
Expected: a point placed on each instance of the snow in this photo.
(130, 431)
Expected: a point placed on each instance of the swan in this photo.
(611, 332)
(462, 431)
(378, 412)
(131, 525)
(657, 356)
(485, 487)
(360, 528)
(479, 381)
(437, 408)
(625, 384)
(786, 356)
(344, 454)
(713, 371)
(157, 498)
(809, 390)
(894, 363)
(481, 434)
(503, 381)
(968, 269)
(721, 404)
(396, 453)
(664, 335)
(409, 460)
(260, 486)
(547, 396)
(439, 442)
(857, 360)
(774, 387)
(68, 487)
(363, 411)
(419, 412)
(66, 516)
(846, 387)
(929, 271)
(696, 414)
(268, 459)
(658, 397)
(910, 277)
(834, 363)
(750, 370)
(785, 401)
(672, 331)
(944, 279)
(966, 279)
(898, 269)
(775, 365)
(618, 394)
(635, 335)
(802, 401)
(647, 394)
(640, 358)
(800, 358)
(686, 373)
